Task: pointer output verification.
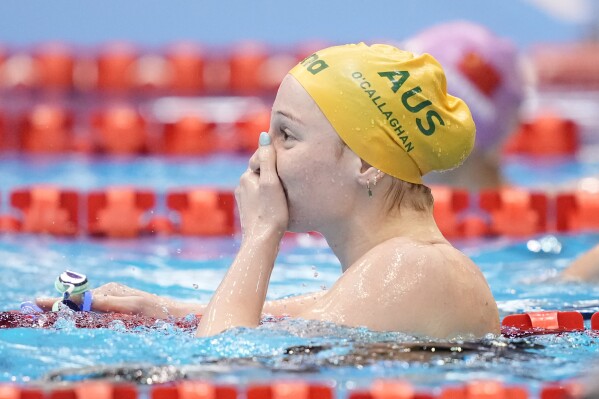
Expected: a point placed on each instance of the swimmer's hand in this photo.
(260, 196)
(114, 297)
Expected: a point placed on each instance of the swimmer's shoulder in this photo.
(445, 284)
(434, 257)
(411, 249)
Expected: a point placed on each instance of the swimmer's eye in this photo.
(285, 134)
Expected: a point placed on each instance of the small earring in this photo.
(368, 187)
(376, 177)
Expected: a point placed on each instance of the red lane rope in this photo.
(125, 211)
(292, 389)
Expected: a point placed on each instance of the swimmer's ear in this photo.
(369, 174)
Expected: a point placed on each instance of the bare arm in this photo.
(239, 299)
(586, 267)
(264, 217)
(292, 306)
(114, 297)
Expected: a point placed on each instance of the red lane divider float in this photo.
(184, 72)
(290, 390)
(83, 390)
(4, 144)
(545, 135)
(254, 68)
(245, 65)
(567, 65)
(193, 390)
(577, 211)
(118, 211)
(122, 67)
(389, 389)
(46, 128)
(448, 204)
(279, 390)
(565, 390)
(484, 390)
(120, 129)
(95, 390)
(515, 212)
(54, 66)
(47, 210)
(543, 322)
(204, 212)
(49, 67)
(189, 389)
(115, 68)
(190, 135)
(16, 392)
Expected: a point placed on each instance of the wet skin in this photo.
(398, 271)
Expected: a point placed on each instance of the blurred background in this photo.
(125, 125)
(284, 22)
(168, 95)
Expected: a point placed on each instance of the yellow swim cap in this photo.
(390, 107)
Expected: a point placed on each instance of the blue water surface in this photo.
(189, 269)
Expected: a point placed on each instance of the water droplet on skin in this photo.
(315, 272)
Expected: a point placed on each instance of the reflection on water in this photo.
(286, 349)
(309, 358)
(190, 269)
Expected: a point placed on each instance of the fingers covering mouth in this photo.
(284, 189)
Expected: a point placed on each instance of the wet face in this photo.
(317, 173)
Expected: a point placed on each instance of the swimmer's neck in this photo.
(351, 239)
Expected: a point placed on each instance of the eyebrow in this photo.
(288, 116)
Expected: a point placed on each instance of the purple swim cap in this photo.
(482, 69)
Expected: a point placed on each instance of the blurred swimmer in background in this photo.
(585, 267)
(486, 72)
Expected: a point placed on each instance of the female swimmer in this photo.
(353, 129)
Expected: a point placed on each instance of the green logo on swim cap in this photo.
(398, 78)
(313, 64)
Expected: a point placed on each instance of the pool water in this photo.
(190, 269)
